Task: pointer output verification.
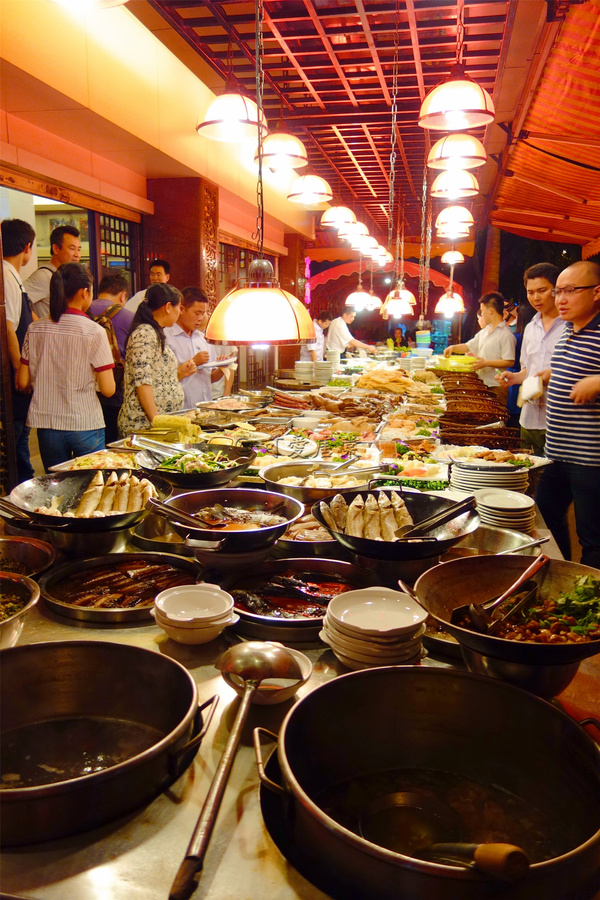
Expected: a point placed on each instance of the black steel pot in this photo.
(439, 719)
(62, 680)
(420, 506)
(189, 480)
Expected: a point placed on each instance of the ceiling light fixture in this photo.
(310, 190)
(449, 304)
(337, 216)
(260, 312)
(283, 151)
(458, 102)
(359, 298)
(454, 216)
(367, 245)
(452, 257)
(348, 231)
(454, 184)
(457, 151)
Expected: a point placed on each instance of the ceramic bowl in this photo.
(194, 604)
(376, 610)
(201, 634)
(265, 695)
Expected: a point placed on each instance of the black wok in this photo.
(243, 498)
(420, 506)
(28, 495)
(478, 578)
(149, 463)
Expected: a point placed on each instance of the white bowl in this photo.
(376, 610)
(194, 623)
(265, 695)
(423, 351)
(369, 643)
(199, 635)
(365, 656)
(195, 603)
(505, 501)
(309, 422)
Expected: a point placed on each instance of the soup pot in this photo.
(46, 686)
(384, 719)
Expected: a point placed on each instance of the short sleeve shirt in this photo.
(536, 353)
(496, 343)
(338, 336)
(37, 287)
(12, 293)
(196, 387)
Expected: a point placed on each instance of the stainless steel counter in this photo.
(137, 858)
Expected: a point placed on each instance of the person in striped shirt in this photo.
(573, 415)
(66, 358)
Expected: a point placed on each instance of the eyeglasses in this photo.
(573, 290)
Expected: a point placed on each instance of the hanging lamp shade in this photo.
(452, 257)
(231, 117)
(337, 216)
(282, 151)
(457, 151)
(399, 302)
(450, 303)
(367, 245)
(456, 104)
(346, 232)
(453, 232)
(374, 302)
(358, 299)
(260, 313)
(310, 190)
(454, 184)
(454, 215)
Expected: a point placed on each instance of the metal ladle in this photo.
(252, 662)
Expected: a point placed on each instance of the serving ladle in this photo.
(251, 662)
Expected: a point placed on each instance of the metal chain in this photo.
(460, 34)
(260, 81)
(393, 139)
(423, 241)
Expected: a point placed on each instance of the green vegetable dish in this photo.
(189, 462)
(10, 605)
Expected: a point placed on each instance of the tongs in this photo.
(434, 521)
(161, 450)
(480, 613)
(177, 516)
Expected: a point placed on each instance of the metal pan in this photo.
(140, 614)
(420, 506)
(244, 498)
(36, 492)
(245, 457)
(273, 474)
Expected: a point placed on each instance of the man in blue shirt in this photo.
(573, 415)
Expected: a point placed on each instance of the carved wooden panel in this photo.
(209, 239)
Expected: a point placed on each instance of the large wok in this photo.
(148, 463)
(420, 506)
(92, 682)
(36, 492)
(244, 498)
(382, 720)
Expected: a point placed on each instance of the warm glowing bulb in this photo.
(231, 117)
(350, 229)
(456, 105)
(283, 152)
(310, 190)
(337, 217)
(457, 151)
(452, 257)
(453, 184)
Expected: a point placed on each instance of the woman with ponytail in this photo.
(66, 358)
(152, 375)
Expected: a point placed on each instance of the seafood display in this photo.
(571, 618)
(306, 529)
(196, 461)
(126, 584)
(376, 518)
(325, 481)
(290, 595)
(233, 518)
(118, 494)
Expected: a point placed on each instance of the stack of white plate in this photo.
(374, 627)
(506, 509)
(324, 371)
(304, 370)
(474, 479)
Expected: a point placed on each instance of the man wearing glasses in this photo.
(573, 415)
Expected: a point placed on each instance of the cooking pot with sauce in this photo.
(385, 720)
(91, 730)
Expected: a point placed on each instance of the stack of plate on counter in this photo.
(374, 627)
(506, 509)
(324, 371)
(304, 370)
(473, 478)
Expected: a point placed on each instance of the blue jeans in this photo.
(59, 446)
(24, 467)
(561, 484)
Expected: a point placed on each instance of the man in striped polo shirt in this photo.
(573, 415)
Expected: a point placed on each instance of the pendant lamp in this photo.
(337, 216)
(457, 151)
(358, 298)
(453, 232)
(348, 231)
(454, 215)
(454, 184)
(399, 302)
(310, 190)
(283, 151)
(452, 257)
(260, 312)
(232, 117)
(456, 104)
(449, 304)
(367, 245)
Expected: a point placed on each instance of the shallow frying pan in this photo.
(28, 495)
(420, 506)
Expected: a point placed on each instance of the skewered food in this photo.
(375, 518)
(118, 494)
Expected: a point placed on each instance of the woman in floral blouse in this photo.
(151, 372)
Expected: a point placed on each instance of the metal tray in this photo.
(140, 615)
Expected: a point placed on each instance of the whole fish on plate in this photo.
(91, 497)
(355, 520)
